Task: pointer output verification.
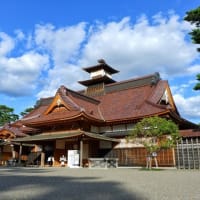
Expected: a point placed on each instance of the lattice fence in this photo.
(188, 153)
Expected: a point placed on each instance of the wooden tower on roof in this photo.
(100, 75)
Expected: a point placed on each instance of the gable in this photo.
(57, 105)
(167, 99)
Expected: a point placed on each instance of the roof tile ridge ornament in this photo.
(82, 109)
(101, 61)
(155, 78)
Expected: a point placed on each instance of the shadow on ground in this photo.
(32, 184)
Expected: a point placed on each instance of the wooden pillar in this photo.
(42, 157)
(13, 151)
(198, 150)
(20, 153)
(193, 154)
(81, 152)
(178, 156)
(1, 155)
(182, 151)
(188, 155)
(174, 158)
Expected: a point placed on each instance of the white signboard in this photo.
(73, 158)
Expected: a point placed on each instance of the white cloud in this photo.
(19, 75)
(188, 107)
(23, 72)
(186, 99)
(184, 88)
(62, 43)
(64, 76)
(19, 34)
(6, 44)
(193, 69)
(142, 48)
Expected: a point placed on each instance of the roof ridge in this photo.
(151, 79)
(64, 94)
(83, 97)
(135, 79)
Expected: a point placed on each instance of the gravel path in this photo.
(98, 184)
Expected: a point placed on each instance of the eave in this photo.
(80, 116)
(183, 123)
(105, 66)
(138, 118)
(62, 135)
(93, 81)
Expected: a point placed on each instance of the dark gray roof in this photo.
(132, 83)
(116, 134)
(62, 135)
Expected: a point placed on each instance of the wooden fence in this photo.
(188, 153)
(137, 157)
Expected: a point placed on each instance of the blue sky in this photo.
(45, 44)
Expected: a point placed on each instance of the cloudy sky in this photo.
(45, 44)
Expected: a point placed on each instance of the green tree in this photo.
(197, 86)
(26, 111)
(193, 17)
(155, 133)
(7, 115)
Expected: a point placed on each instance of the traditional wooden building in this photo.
(93, 123)
(8, 150)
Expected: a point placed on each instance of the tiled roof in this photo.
(116, 134)
(129, 103)
(159, 91)
(126, 100)
(190, 133)
(54, 116)
(80, 105)
(14, 129)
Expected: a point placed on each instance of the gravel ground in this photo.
(98, 184)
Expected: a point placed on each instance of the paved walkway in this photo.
(98, 184)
